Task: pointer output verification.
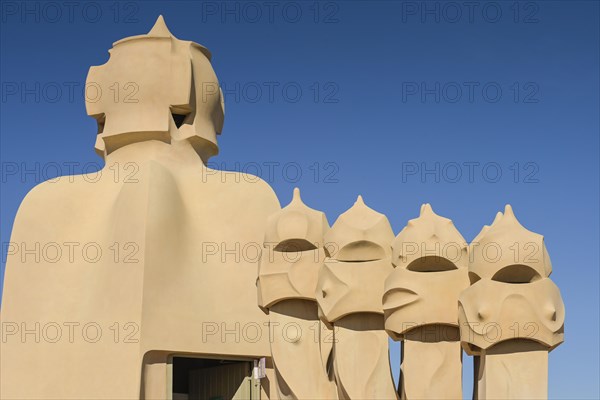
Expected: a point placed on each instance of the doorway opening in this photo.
(213, 379)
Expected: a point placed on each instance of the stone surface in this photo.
(420, 301)
(296, 227)
(149, 245)
(349, 294)
(508, 252)
(512, 315)
(351, 287)
(287, 282)
(360, 234)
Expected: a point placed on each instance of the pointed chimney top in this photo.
(160, 28)
(426, 209)
(296, 195)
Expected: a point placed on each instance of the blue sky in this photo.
(465, 107)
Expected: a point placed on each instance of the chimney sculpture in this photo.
(165, 273)
(170, 93)
(150, 270)
(349, 294)
(512, 315)
(420, 305)
(287, 280)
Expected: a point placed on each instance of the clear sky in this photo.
(465, 105)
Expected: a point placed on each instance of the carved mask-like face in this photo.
(431, 258)
(155, 87)
(284, 276)
(351, 287)
(510, 296)
(491, 312)
(416, 298)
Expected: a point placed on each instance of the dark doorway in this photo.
(213, 379)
